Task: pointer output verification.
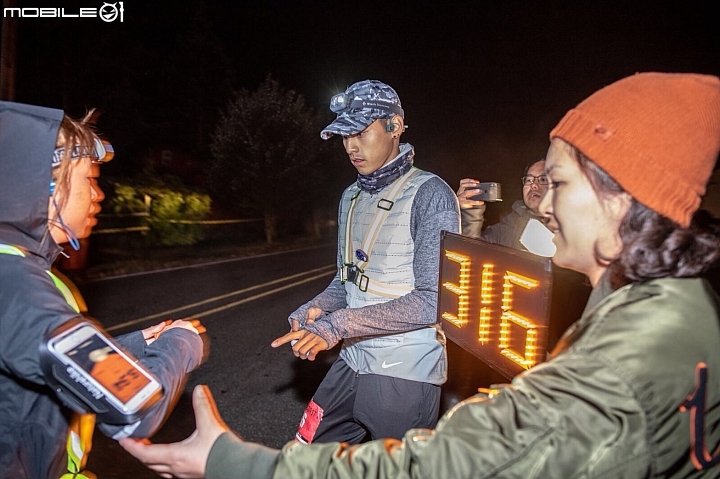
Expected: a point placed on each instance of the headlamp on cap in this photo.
(359, 105)
(340, 102)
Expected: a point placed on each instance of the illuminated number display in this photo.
(495, 302)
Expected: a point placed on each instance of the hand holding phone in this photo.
(491, 192)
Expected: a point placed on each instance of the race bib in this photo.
(309, 423)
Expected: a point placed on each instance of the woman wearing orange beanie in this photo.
(633, 387)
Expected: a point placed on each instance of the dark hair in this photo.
(70, 133)
(529, 165)
(655, 246)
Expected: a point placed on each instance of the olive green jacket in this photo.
(625, 395)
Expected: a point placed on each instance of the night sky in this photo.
(482, 82)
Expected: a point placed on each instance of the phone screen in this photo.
(109, 368)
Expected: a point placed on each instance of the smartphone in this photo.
(86, 363)
(491, 191)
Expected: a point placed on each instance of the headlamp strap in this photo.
(358, 104)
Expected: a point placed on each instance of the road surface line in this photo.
(164, 314)
(198, 265)
(257, 296)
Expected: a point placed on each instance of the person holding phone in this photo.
(48, 196)
(633, 388)
(508, 231)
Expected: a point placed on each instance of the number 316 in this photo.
(528, 357)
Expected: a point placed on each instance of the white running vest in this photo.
(379, 227)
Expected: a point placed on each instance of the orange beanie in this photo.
(656, 134)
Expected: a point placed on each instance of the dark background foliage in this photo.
(482, 83)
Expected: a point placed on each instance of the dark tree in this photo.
(267, 154)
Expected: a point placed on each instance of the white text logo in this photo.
(109, 12)
(385, 365)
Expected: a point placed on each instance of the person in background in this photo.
(382, 302)
(508, 231)
(633, 388)
(48, 196)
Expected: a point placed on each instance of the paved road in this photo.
(261, 392)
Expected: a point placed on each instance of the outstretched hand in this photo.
(186, 459)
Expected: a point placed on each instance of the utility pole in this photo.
(8, 53)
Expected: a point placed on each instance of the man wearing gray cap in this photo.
(382, 302)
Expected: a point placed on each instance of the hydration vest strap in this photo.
(354, 272)
(347, 252)
(351, 273)
(374, 231)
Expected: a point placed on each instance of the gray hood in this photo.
(27, 139)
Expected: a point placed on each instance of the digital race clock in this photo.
(505, 306)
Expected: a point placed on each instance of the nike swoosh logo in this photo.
(385, 365)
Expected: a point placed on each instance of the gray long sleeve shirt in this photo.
(435, 208)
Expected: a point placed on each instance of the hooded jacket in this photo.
(33, 421)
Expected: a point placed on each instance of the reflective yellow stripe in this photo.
(78, 475)
(82, 306)
(82, 426)
(79, 444)
(65, 292)
(13, 250)
(75, 451)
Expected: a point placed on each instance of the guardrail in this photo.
(143, 228)
(136, 232)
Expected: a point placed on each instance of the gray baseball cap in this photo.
(361, 104)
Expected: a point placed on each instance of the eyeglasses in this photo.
(528, 180)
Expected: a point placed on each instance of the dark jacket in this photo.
(33, 422)
(624, 397)
(507, 232)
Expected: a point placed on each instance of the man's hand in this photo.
(186, 459)
(468, 188)
(305, 345)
